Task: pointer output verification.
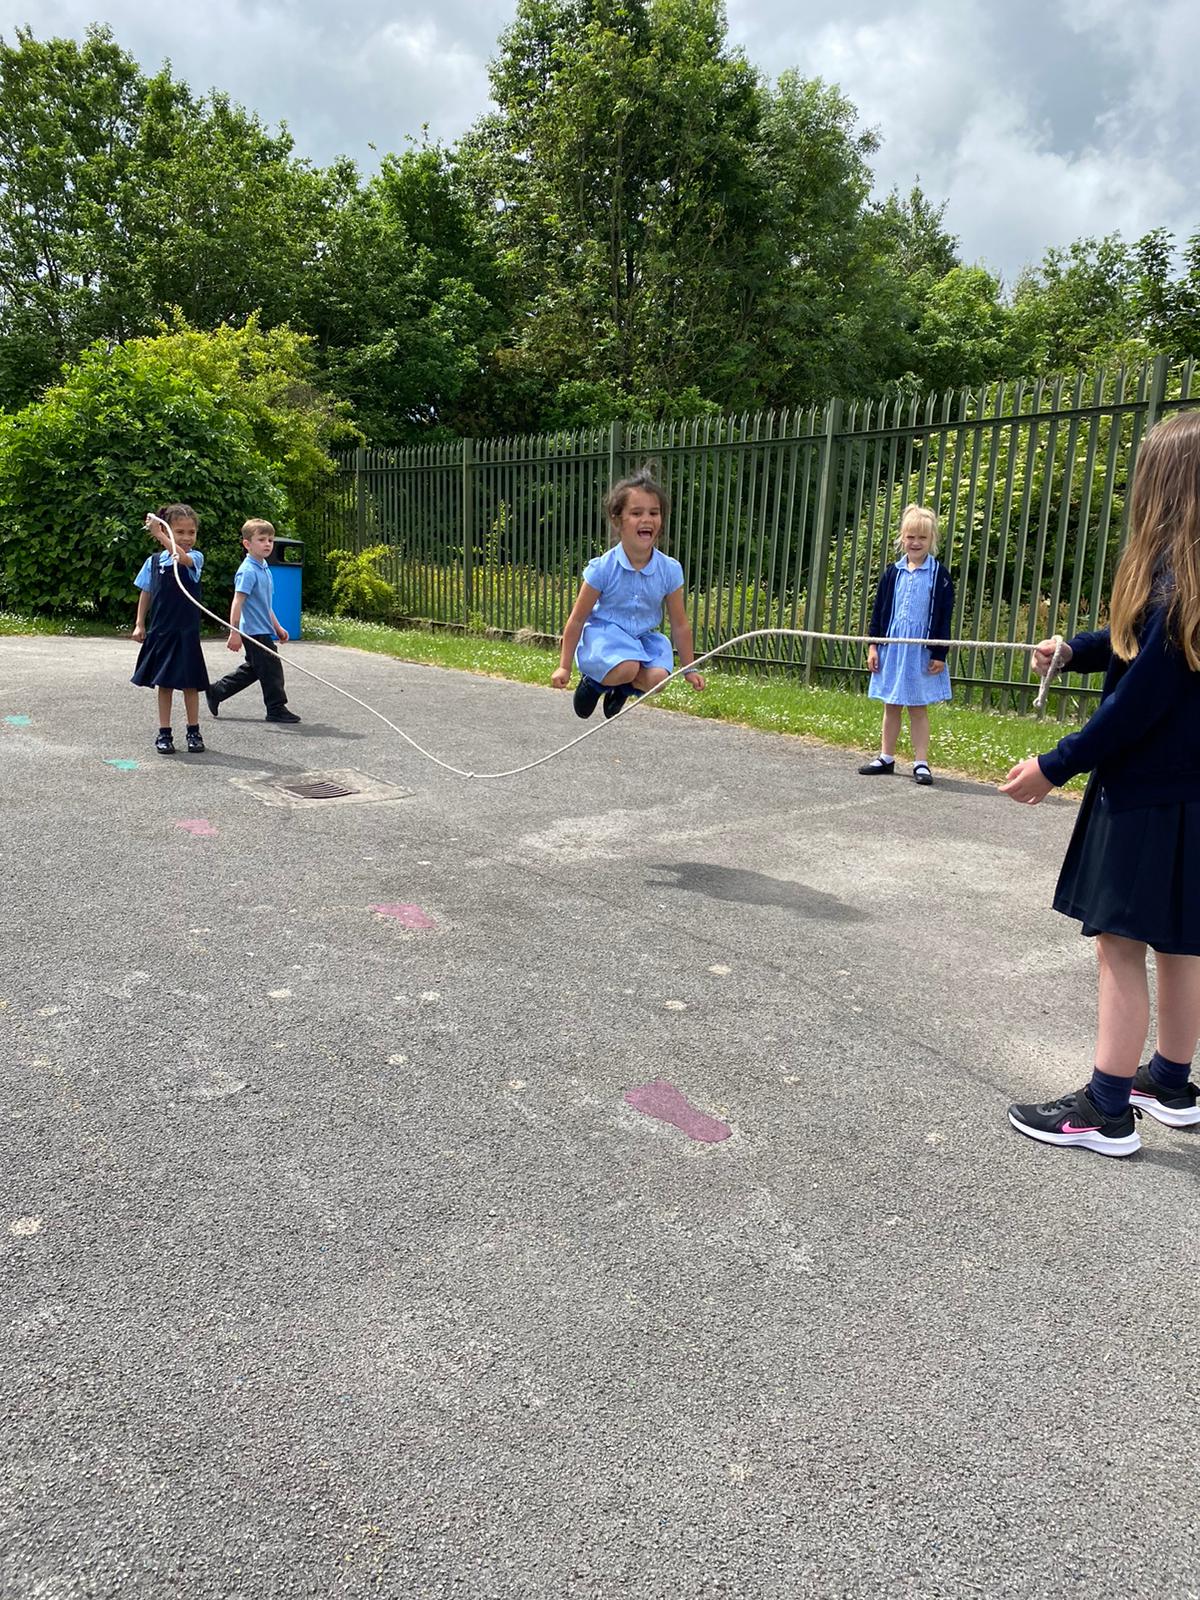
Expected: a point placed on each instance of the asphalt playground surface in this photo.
(335, 1261)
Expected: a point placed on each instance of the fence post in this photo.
(616, 444)
(822, 531)
(360, 497)
(468, 536)
(1158, 390)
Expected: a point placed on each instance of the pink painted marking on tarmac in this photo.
(200, 827)
(406, 916)
(663, 1100)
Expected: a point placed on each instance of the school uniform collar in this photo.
(624, 560)
(930, 561)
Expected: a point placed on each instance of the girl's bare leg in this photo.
(1124, 1008)
(1178, 1006)
(918, 729)
(165, 697)
(891, 730)
(191, 705)
(623, 672)
(648, 676)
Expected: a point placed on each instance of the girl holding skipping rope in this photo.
(171, 657)
(613, 632)
(1131, 874)
(914, 600)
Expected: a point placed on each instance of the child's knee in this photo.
(650, 677)
(623, 672)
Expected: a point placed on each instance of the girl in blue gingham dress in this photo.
(915, 600)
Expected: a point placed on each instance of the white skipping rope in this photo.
(630, 705)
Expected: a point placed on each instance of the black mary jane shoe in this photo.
(922, 774)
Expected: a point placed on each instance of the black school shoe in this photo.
(1077, 1120)
(281, 716)
(877, 767)
(195, 743)
(165, 743)
(615, 698)
(1178, 1108)
(586, 697)
(922, 774)
(212, 701)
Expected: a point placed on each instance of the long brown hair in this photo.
(1164, 540)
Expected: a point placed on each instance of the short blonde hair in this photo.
(923, 515)
(257, 525)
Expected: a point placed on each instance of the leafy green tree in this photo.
(127, 430)
(122, 196)
(666, 219)
(1079, 307)
(68, 132)
(402, 301)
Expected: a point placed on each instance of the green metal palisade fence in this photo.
(785, 518)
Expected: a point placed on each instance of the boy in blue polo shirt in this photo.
(251, 614)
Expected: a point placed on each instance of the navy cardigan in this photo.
(1143, 740)
(941, 606)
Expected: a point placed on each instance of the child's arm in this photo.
(234, 642)
(281, 632)
(139, 626)
(941, 622)
(584, 605)
(681, 637)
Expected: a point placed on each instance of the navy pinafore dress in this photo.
(171, 657)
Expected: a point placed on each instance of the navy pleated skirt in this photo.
(1135, 873)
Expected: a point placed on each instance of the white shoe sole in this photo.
(1086, 1141)
(1160, 1113)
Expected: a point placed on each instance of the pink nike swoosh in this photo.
(1069, 1127)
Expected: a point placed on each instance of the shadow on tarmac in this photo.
(753, 889)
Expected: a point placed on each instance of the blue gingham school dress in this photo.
(626, 621)
(903, 678)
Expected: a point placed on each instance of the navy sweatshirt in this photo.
(1143, 739)
(940, 609)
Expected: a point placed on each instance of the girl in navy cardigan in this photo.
(914, 600)
(1132, 870)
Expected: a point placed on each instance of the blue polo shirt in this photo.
(142, 581)
(253, 579)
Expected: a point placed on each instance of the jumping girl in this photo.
(171, 657)
(1131, 874)
(915, 600)
(613, 632)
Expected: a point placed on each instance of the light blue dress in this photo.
(625, 624)
(903, 678)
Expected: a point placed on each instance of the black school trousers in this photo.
(261, 666)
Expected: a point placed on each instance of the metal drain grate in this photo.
(317, 791)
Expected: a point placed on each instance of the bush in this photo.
(358, 590)
(80, 468)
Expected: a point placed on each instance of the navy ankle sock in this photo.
(1169, 1074)
(1109, 1093)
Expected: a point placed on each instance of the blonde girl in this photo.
(914, 600)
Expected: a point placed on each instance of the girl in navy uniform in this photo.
(1132, 870)
(613, 633)
(171, 657)
(914, 600)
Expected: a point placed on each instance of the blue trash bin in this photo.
(286, 562)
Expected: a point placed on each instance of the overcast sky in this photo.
(1038, 120)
